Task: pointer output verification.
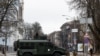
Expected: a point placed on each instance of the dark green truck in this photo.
(37, 48)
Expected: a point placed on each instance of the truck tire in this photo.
(57, 54)
(27, 54)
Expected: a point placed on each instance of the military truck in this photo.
(38, 48)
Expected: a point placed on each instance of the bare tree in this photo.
(90, 8)
(4, 8)
(37, 30)
(28, 31)
(7, 13)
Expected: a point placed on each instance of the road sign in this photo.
(80, 47)
(74, 30)
(86, 20)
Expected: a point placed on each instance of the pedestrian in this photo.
(91, 51)
(3, 50)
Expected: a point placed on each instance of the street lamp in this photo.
(86, 21)
(74, 31)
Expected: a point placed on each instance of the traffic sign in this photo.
(74, 30)
(86, 20)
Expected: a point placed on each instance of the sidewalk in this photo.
(82, 54)
(1, 54)
(8, 54)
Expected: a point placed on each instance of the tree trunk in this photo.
(97, 46)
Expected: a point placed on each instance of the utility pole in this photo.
(75, 30)
(85, 21)
(6, 33)
(86, 38)
(74, 39)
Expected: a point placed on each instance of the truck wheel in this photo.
(27, 54)
(56, 54)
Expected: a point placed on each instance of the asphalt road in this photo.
(14, 54)
(11, 54)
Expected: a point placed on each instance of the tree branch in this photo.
(94, 33)
(2, 18)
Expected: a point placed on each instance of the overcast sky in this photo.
(48, 13)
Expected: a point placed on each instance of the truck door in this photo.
(49, 48)
(40, 48)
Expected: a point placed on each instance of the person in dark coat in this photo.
(91, 51)
(3, 50)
